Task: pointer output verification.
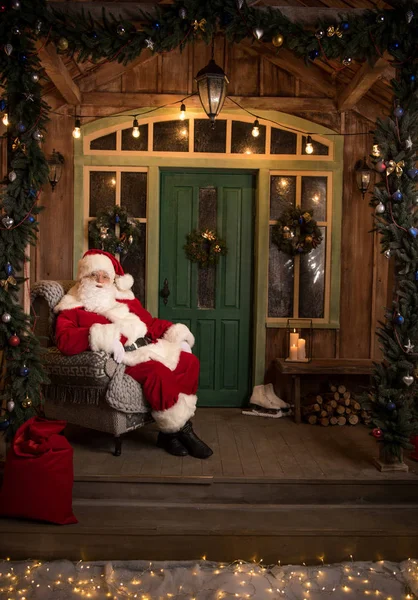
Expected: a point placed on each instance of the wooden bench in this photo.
(320, 366)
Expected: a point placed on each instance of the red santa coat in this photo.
(169, 377)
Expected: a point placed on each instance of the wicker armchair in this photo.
(79, 385)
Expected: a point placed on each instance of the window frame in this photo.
(299, 173)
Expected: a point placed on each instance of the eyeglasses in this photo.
(100, 275)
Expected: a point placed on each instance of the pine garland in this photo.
(365, 36)
(296, 232)
(102, 232)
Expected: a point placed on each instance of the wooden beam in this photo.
(362, 81)
(286, 60)
(371, 110)
(57, 72)
(110, 71)
(122, 101)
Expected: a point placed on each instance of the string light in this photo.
(77, 129)
(182, 112)
(309, 146)
(5, 119)
(256, 129)
(135, 128)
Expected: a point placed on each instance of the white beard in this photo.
(96, 297)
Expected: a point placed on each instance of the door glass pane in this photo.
(282, 142)
(318, 148)
(105, 142)
(102, 191)
(281, 274)
(207, 220)
(131, 143)
(243, 141)
(171, 136)
(282, 194)
(314, 196)
(207, 139)
(133, 193)
(136, 266)
(312, 281)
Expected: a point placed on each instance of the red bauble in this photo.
(378, 433)
(2, 8)
(380, 166)
(14, 340)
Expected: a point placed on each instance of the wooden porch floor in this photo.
(244, 447)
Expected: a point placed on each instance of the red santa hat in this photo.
(99, 260)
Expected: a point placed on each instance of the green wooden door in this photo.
(214, 303)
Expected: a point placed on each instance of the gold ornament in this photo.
(376, 150)
(307, 217)
(103, 232)
(331, 31)
(27, 402)
(208, 235)
(199, 24)
(308, 239)
(62, 44)
(286, 232)
(397, 167)
(17, 145)
(278, 40)
(217, 248)
(6, 282)
(130, 239)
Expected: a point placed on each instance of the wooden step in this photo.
(166, 531)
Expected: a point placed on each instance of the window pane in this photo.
(133, 193)
(312, 281)
(131, 143)
(207, 139)
(243, 142)
(106, 142)
(102, 191)
(282, 194)
(207, 219)
(171, 136)
(314, 196)
(282, 142)
(136, 267)
(318, 148)
(280, 303)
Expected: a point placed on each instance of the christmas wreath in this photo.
(204, 247)
(296, 232)
(102, 232)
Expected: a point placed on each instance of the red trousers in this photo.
(161, 386)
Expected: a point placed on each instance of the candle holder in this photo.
(299, 340)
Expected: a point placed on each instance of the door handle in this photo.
(165, 292)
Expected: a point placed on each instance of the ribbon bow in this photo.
(199, 24)
(331, 31)
(6, 282)
(208, 235)
(17, 145)
(393, 166)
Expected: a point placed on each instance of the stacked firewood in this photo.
(336, 407)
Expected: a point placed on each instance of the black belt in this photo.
(139, 343)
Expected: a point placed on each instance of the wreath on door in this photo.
(296, 232)
(204, 247)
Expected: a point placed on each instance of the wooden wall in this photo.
(364, 271)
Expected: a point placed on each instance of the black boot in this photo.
(192, 443)
(171, 444)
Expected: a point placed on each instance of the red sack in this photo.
(38, 476)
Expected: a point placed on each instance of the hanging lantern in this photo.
(55, 164)
(211, 85)
(363, 175)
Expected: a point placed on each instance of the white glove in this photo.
(185, 347)
(118, 351)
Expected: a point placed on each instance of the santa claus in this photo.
(101, 313)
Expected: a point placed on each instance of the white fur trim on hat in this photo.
(124, 282)
(95, 262)
(102, 337)
(174, 418)
(179, 333)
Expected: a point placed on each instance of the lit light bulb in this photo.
(135, 129)
(309, 145)
(182, 112)
(77, 129)
(183, 132)
(5, 119)
(256, 129)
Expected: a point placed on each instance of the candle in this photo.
(293, 353)
(301, 353)
(294, 338)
